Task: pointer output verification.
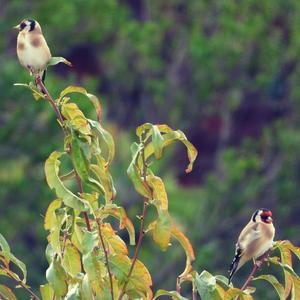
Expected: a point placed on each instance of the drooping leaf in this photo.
(119, 213)
(173, 294)
(9, 257)
(56, 60)
(6, 293)
(50, 216)
(90, 241)
(134, 172)
(161, 230)
(71, 260)
(33, 88)
(106, 137)
(160, 197)
(47, 292)
(57, 277)
(273, 280)
(86, 289)
(157, 141)
(52, 176)
(82, 166)
(170, 136)
(188, 248)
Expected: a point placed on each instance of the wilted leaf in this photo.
(188, 248)
(73, 292)
(50, 217)
(57, 277)
(56, 60)
(6, 293)
(115, 244)
(119, 213)
(172, 294)
(33, 88)
(272, 280)
(160, 197)
(54, 182)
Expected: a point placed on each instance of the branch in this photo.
(142, 228)
(106, 259)
(40, 83)
(256, 267)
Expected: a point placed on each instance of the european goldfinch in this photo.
(254, 240)
(32, 49)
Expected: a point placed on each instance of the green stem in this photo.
(142, 228)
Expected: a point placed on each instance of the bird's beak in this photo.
(17, 27)
(270, 219)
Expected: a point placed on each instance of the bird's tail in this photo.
(44, 76)
(235, 263)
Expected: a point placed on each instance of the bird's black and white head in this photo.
(28, 25)
(262, 215)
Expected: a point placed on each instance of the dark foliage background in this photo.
(225, 72)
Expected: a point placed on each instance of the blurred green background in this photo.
(225, 72)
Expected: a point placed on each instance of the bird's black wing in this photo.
(235, 262)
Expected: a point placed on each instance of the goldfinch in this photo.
(254, 240)
(32, 49)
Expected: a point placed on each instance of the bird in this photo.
(32, 49)
(254, 240)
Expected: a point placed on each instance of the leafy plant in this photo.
(87, 257)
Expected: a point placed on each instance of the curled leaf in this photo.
(56, 60)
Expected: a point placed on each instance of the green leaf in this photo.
(56, 60)
(172, 294)
(71, 260)
(47, 292)
(188, 248)
(73, 292)
(233, 292)
(6, 293)
(86, 289)
(105, 136)
(50, 217)
(8, 256)
(160, 197)
(33, 88)
(206, 286)
(51, 170)
(81, 165)
(272, 280)
(161, 230)
(134, 172)
(119, 213)
(57, 277)
(90, 241)
(91, 97)
(157, 141)
(170, 137)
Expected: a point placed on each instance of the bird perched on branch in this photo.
(32, 49)
(255, 239)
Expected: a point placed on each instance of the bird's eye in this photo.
(22, 26)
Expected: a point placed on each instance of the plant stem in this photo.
(21, 283)
(256, 267)
(106, 259)
(142, 228)
(40, 83)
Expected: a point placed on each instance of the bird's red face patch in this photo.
(266, 216)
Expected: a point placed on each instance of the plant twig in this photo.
(142, 228)
(106, 259)
(40, 83)
(21, 283)
(256, 267)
